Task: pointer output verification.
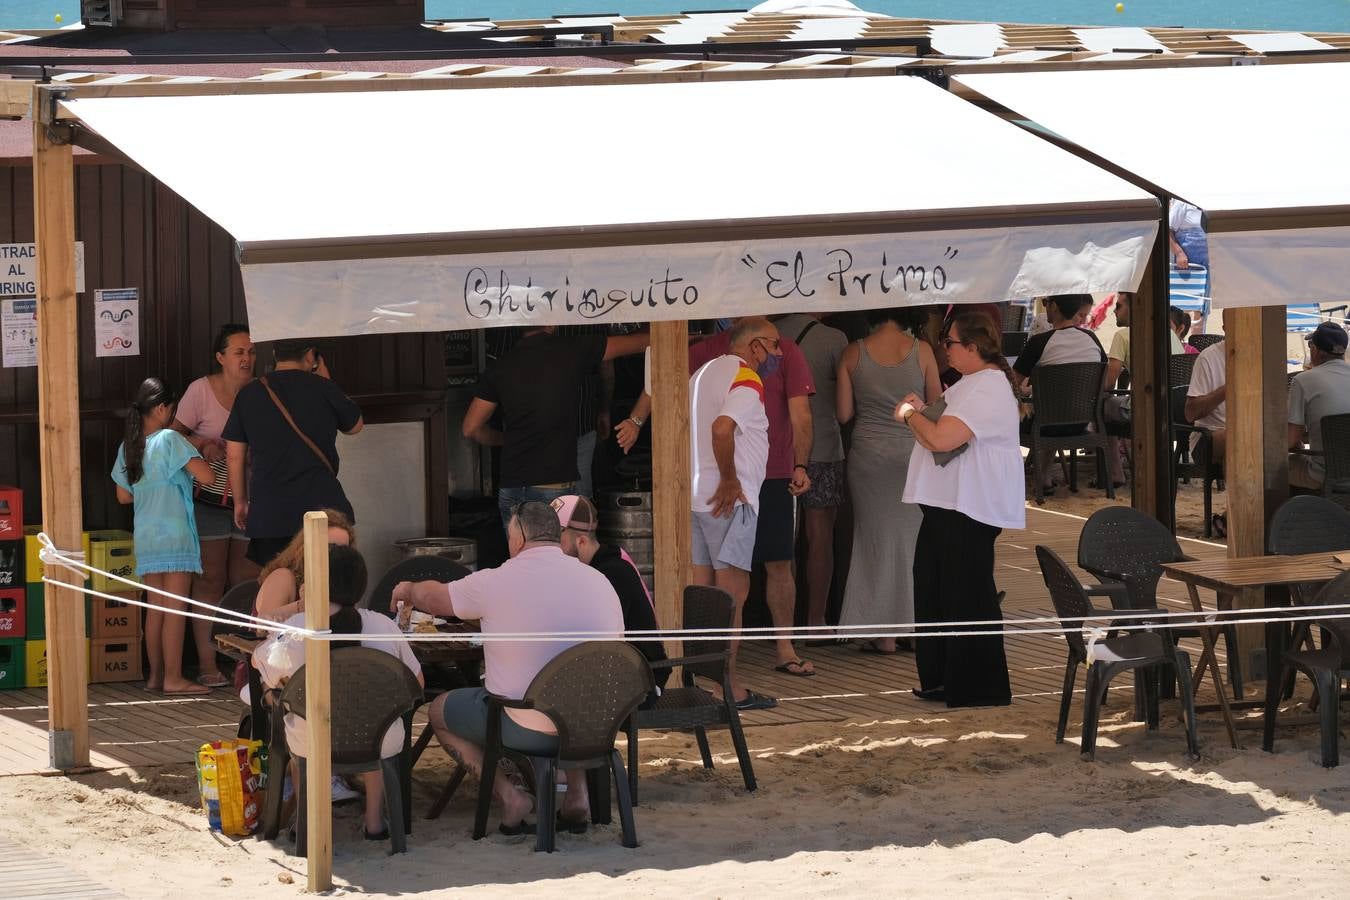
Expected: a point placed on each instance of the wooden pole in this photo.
(670, 471)
(59, 420)
(1257, 466)
(318, 708)
(1150, 426)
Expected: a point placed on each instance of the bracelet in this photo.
(800, 466)
(909, 415)
(636, 421)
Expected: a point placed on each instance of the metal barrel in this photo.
(626, 521)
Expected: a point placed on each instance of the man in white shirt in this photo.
(538, 590)
(1205, 406)
(1323, 390)
(729, 452)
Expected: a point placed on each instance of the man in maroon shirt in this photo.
(786, 401)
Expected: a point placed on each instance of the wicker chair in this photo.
(1014, 317)
(1110, 657)
(371, 690)
(1336, 458)
(240, 599)
(1188, 464)
(1064, 396)
(688, 706)
(1306, 524)
(1201, 341)
(1327, 668)
(588, 691)
(1123, 547)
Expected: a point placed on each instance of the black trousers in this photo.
(954, 582)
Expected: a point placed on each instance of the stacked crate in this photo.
(14, 603)
(114, 626)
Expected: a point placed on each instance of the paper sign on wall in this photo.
(18, 328)
(18, 269)
(117, 322)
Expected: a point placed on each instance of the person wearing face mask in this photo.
(539, 590)
(788, 385)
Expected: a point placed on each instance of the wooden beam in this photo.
(1257, 465)
(59, 444)
(670, 471)
(1149, 414)
(318, 708)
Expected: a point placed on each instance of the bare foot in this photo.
(516, 806)
(155, 684)
(185, 687)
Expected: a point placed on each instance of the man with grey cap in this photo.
(1323, 390)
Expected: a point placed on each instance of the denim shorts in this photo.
(466, 714)
(214, 523)
(725, 542)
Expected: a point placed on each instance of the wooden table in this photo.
(1227, 577)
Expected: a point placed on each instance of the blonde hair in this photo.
(293, 557)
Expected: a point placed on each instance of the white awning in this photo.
(379, 211)
(1261, 149)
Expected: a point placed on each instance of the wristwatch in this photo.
(909, 414)
(636, 421)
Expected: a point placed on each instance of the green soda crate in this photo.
(11, 665)
(36, 613)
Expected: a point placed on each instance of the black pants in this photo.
(954, 582)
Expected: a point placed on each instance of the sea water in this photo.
(1276, 15)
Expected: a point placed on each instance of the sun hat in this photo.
(576, 512)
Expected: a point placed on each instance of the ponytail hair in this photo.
(152, 393)
(346, 586)
(977, 329)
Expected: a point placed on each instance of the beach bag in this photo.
(217, 493)
(231, 778)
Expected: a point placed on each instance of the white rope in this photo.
(262, 625)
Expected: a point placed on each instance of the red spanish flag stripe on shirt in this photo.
(748, 377)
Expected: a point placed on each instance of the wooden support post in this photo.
(1257, 467)
(1150, 347)
(318, 708)
(670, 471)
(59, 443)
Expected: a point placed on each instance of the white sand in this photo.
(972, 802)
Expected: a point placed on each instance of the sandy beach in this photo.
(970, 802)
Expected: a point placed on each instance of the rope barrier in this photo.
(1116, 620)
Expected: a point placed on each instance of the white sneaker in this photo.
(341, 791)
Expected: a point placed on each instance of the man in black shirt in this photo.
(537, 385)
(579, 520)
(288, 420)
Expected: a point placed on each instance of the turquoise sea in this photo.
(1279, 15)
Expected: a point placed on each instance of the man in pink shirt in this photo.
(538, 590)
(787, 389)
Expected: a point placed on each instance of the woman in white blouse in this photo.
(966, 500)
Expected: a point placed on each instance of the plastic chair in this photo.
(241, 599)
(1326, 667)
(588, 691)
(1110, 657)
(371, 690)
(414, 568)
(688, 706)
(1121, 546)
(1201, 341)
(1064, 396)
(1336, 458)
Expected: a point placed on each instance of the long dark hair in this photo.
(226, 332)
(346, 586)
(153, 392)
(910, 319)
(977, 329)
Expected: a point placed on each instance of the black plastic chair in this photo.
(371, 690)
(1326, 667)
(414, 568)
(1306, 524)
(1111, 656)
(1067, 397)
(1336, 459)
(689, 707)
(1201, 341)
(1122, 547)
(588, 691)
(241, 599)
(1014, 342)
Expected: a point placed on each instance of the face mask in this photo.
(769, 366)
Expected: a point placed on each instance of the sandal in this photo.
(571, 826)
(213, 680)
(751, 700)
(521, 827)
(797, 667)
(1218, 524)
(871, 647)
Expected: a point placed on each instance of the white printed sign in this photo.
(117, 322)
(18, 332)
(18, 269)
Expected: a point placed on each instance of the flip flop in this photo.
(751, 700)
(381, 836)
(196, 690)
(521, 827)
(213, 680)
(795, 667)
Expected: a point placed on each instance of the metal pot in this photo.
(461, 550)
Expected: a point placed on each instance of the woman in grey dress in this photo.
(875, 374)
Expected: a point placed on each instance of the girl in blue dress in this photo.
(154, 471)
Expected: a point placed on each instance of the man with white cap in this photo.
(1323, 390)
(579, 520)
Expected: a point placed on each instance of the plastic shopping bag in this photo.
(230, 779)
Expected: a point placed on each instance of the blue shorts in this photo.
(725, 542)
(466, 714)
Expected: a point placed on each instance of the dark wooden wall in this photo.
(138, 233)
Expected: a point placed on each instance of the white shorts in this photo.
(725, 542)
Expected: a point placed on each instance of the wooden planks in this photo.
(318, 707)
(670, 470)
(26, 876)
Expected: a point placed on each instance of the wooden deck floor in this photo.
(130, 727)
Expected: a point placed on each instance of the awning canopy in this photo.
(1262, 150)
(431, 210)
